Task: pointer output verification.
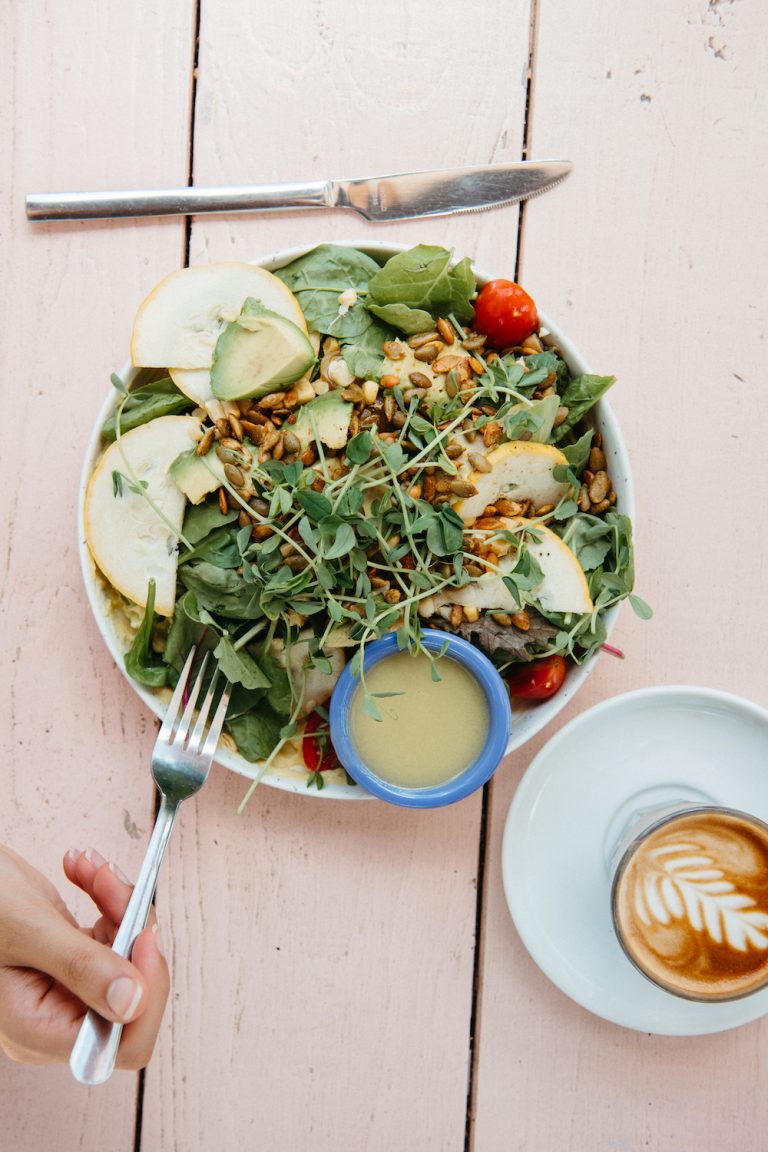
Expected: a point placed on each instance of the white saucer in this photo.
(553, 855)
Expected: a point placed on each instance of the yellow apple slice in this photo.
(130, 543)
(563, 589)
(520, 470)
(409, 362)
(178, 324)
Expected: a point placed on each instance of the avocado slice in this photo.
(192, 476)
(326, 416)
(258, 353)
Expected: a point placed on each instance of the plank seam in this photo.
(476, 968)
(191, 163)
(527, 127)
(483, 845)
(140, 1079)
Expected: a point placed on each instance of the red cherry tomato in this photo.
(505, 313)
(317, 750)
(538, 680)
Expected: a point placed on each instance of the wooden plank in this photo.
(652, 259)
(91, 95)
(323, 951)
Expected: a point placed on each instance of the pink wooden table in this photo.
(346, 975)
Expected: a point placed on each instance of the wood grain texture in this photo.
(322, 952)
(81, 98)
(652, 260)
(337, 1014)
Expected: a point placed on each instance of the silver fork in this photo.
(181, 761)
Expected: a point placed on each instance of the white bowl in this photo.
(527, 719)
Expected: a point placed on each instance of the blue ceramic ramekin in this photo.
(466, 782)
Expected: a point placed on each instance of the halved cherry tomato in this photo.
(317, 750)
(538, 680)
(505, 313)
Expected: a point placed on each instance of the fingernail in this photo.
(159, 939)
(120, 875)
(123, 997)
(73, 854)
(95, 858)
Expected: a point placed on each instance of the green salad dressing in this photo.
(428, 733)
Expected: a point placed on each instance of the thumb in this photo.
(91, 971)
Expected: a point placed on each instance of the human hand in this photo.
(52, 971)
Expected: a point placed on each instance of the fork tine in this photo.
(174, 707)
(196, 739)
(184, 724)
(209, 748)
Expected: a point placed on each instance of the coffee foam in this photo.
(692, 905)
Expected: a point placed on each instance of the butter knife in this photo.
(403, 196)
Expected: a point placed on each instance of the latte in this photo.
(690, 904)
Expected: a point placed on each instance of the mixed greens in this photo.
(411, 477)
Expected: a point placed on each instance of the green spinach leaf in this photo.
(190, 625)
(200, 519)
(423, 279)
(239, 666)
(320, 277)
(161, 398)
(141, 663)
(256, 733)
(221, 591)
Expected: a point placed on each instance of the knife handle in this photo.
(179, 201)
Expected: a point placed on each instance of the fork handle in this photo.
(93, 1056)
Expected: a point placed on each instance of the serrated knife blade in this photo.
(402, 196)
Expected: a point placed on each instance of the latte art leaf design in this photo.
(685, 883)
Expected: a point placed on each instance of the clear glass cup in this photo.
(689, 893)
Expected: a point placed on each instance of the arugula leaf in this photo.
(580, 395)
(577, 454)
(160, 398)
(141, 663)
(422, 279)
(256, 733)
(239, 666)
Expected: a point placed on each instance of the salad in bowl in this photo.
(319, 448)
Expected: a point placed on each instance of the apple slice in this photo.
(178, 324)
(520, 470)
(196, 383)
(130, 543)
(563, 589)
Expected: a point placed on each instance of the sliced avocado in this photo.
(258, 353)
(326, 416)
(196, 476)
